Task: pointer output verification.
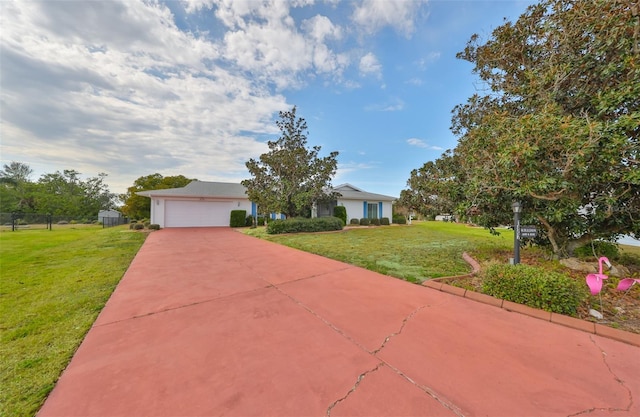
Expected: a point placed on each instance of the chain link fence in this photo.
(38, 221)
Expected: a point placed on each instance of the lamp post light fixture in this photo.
(517, 209)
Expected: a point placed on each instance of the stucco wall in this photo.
(355, 208)
(158, 214)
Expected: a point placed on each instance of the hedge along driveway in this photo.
(417, 252)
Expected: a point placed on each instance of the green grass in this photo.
(415, 253)
(53, 284)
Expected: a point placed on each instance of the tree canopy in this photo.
(138, 207)
(61, 193)
(557, 128)
(290, 177)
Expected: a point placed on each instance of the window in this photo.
(372, 210)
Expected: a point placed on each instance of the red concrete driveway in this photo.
(210, 322)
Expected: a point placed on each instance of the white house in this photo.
(209, 204)
(199, 204)
(359, 204)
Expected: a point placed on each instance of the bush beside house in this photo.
(341, 213)
(238, 218)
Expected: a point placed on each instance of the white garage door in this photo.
(197, 213)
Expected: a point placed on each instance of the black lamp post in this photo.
(517, 208)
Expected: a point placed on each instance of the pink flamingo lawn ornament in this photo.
(594, 281)
(626, 283)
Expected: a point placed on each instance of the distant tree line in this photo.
(59, 193)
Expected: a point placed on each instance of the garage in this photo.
(180, 213)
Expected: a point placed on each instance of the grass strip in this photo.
(415, 253)
(53, 284)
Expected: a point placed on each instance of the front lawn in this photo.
(415, 253)
(53, 285)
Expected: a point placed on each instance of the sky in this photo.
(132, 88)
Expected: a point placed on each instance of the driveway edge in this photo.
(567, 321)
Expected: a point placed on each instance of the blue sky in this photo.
(194, 87)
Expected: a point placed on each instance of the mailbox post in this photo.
(517, 208)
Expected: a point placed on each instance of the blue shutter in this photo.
(380, 210)
(254, 208)
(364, 209)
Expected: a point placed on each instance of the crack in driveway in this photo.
(446, 404)
(353, 388)
(615, 377)
(404, 323)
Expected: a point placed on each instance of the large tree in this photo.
(139, 207)
(558, 127)
(16, 189)
(66, 194)
(436, 187)
(290, 177)
(60, 193)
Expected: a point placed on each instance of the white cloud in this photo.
(422, 144)
(123, 87)
(79, 95)
(320, 28)
(369, 65)
(424, 62)
(264, 40)
(346, 168)
(373, 15)
(393, 105)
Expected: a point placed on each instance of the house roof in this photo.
(201, 189)
(235, 190)
(350, 192)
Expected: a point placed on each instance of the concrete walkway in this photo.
(210, 322)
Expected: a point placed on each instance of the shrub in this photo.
(138, 226)
(301, 225)
(399, 219)
(600, 247)
(73, 222)
(248, 221)
(341, 213)
(154, 226)
(384, 221)
(238, 218)
(375, 222)
(355, 221)
(364, 221)
(534, 287)
(147, 224)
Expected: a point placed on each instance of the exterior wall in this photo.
(355, 208)
(158, 214)
(109, 214)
